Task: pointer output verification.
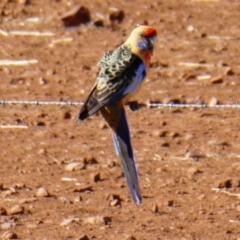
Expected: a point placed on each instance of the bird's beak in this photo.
(152, 40)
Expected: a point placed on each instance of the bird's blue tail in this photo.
(123, 147)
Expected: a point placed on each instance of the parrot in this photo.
(120, 77)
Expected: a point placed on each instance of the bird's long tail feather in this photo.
(123, 147)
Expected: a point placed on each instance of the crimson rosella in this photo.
(121, 73)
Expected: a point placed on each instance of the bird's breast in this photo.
(133, 88)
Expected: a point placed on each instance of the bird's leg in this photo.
(134, 106)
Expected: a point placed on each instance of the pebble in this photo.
(74, 166)
(96, 220)
(16, 209)
(42, 192)
(65, 200)
(28, 200)
(192, 171)
(170, 203)
(155, 208)
(103, 125)
(130, 238)
(78, 199)
(19, 186)
(190, 28)
(95, 177)
(9, 235)
(116, 15)
(115, 203)
(213, 102)
(67, 221)
(83, 237)
(6, 225)
(98, 20)
(225, 183)
(84, 189)
(3, 211)
(67, 115)
(76, 16)
(90, 160)
(216, 80)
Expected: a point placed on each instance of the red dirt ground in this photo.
(188, 158)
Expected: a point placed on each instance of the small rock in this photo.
(65, 200)
(115, 203)
(74, 166)
(190, 28)
(95, 177)
(76, 16)
(225, 184)
(28, 200)
(192, 171)
(6, 225)
(130, 238)
(204, 77)
(42, 151)
(8, 192)
(103, 125)
(41, 124)
(42, 192)
(114, 200)
(9, 235)
(229, 71)
(3, 211)
(84, 189)
(170, 203)
(155, 133)
(90, 160)
(212, 142)
(163, 134)
(98, 20)
(174, 135)
(96, 220)
(165, 144)
(213, 102)
(32, 225)
(17, 209)
(83, 237)
(67, 221)
(155, 208)
(78, 199)
(188, 136)
(19, 186)
(116, 15)
(67, 115)
(216, 80)
(201, 197)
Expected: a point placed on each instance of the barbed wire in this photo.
(149, 104)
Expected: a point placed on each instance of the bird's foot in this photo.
(134, 106)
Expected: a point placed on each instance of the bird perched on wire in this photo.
(121, 73)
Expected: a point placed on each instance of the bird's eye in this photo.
(141, 35)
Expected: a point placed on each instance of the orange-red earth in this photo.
(59, 180)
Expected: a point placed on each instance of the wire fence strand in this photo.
(150, 104)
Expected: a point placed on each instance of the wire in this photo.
(150, 104)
